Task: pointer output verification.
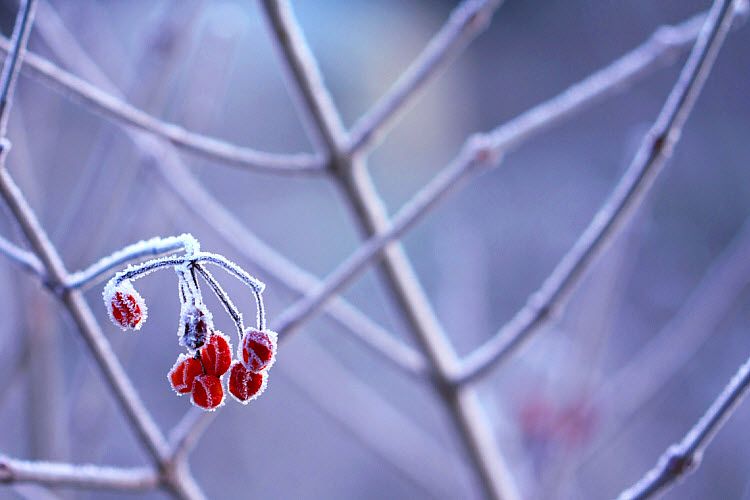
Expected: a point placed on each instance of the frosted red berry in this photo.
(183, 373)
(216, 354)
(207, 392)
(245, 385)
(126, 307)
(258, 349)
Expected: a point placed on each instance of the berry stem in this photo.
(231, 268)
(261, 317)
(223, 298)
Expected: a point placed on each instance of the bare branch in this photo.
(305, 78)
(116, 109)
(466, 21)
(655, 149)
(11, 66)
(186, 433)
(77, 476)
(27, 260)
(684, 457)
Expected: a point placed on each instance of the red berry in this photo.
(216, 354)
(258, 349)
(208, 392)
(245, 385)
(126, 307)
(183, 373)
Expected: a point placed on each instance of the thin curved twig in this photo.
(684, 457)
(466, 21)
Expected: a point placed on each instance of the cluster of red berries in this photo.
(201, 370)
(201, 374)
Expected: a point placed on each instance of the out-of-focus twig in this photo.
(77, 476)
(466, 21)
(27, 260)
(112, 107)
(653, 153)
(12, 64)
(684, 457)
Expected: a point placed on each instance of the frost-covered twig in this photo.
(136, 271)
(684, 457)
(219, 260)
(77, 476)
(24, 258)
(466, 21)
(146, 248)
(655, 149)
(120, 111)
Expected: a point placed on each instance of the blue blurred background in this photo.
(581, 412)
